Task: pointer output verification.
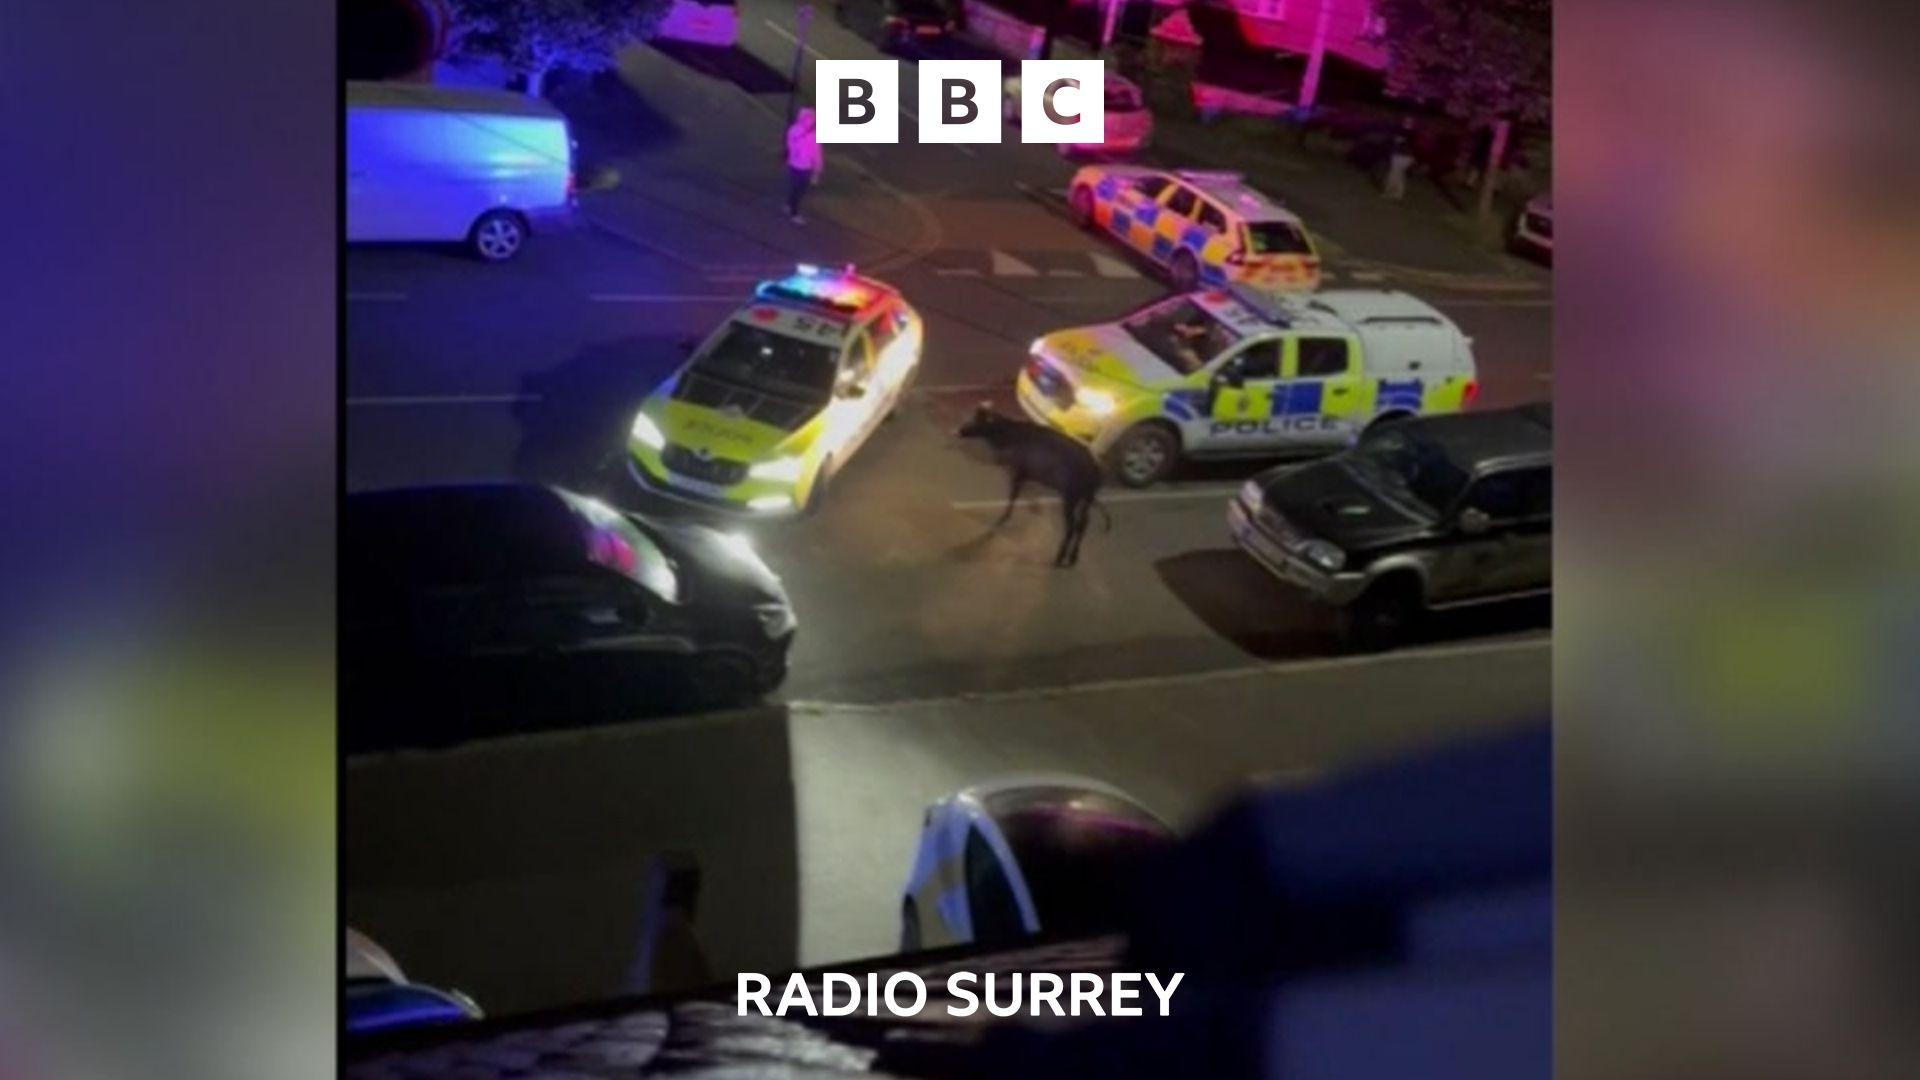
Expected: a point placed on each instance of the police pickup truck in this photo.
(1241, 372)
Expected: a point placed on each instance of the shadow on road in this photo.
(609, 119)
(574, 416)
(734, 65)
(1241, 602)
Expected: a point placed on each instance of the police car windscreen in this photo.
(756, 358)
(1181, 333)
(1277, 238)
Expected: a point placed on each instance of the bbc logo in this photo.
(960, 101)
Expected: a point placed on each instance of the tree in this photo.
(1486, 62)
(532, 37)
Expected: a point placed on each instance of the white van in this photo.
(482, 167)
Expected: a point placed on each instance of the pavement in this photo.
(458, 370)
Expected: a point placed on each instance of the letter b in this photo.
(960, 101)
(859, 101)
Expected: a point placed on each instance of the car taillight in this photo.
(1472, 391)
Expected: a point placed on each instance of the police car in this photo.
(1242, 372)
(1205, 228)
(777, 398)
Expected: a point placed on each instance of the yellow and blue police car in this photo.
(780, 395)
(1241, 372)
(1204, 228)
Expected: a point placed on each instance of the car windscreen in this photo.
(1277, 238)
(773, 363)
(1181, 333)
(1396, 458)
(615, 542)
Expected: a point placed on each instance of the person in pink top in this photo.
(804, 162)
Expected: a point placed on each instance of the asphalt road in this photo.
(1213, 671)
(532, 369)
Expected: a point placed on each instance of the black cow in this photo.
(1030, 452)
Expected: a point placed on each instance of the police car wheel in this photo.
(498, 235)
(1185, 272)
(1080, 204)
(1145, 455)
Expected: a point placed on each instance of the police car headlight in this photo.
(1097, 402)
(1252, 495)
(647, 432)
(786, 470)
(1324, 555)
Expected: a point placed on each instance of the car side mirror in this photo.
(1232, 376)
(852, 391)
(1474, 521)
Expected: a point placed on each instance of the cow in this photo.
(1031, 452)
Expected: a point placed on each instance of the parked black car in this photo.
(1437, 512)
(467, 602)
(910, 22)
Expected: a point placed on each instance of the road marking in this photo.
(785, 33)
(1109, 267)
(443, 399)
(1185, 678)
(957, 271)
(375, 297)
(660, 298)
(1368, 275)
(1005, 265)
(1065, 273)
(1115, 497)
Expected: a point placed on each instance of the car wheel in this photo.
(1384, 614)
(1185, 272)
(1080, 205)
(498, 235)
(910, 927)
(1145, 455)
(720, 680)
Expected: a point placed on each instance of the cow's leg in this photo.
(1013, 494)
(1078, 531)
(1061, 557)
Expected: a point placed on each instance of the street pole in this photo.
(1113, 19)
(1316, 56)
(802, 18)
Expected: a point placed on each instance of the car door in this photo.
(1318, 403)
(1241, 400)
(600, 634)
(1179, 205)
(1134, 207)
(1211, 238)
(1512, 553)
(858, 401)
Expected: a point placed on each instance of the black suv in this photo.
(463, 602)
(1431, 513)
(907, 22)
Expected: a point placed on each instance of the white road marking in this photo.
(1109, 267)
(660, 298)
(442, 399)
(1005, 265)
(1065, 273)
(375, 297)
(1111, 497)
(1284, 667)
(956, 271)
(1368, 275)
(785, 33)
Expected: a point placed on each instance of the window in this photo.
(1151, 186)
(1181, 333)
(759, 359)
(1260, 360)
(1515, 495)
(1212, 218)
(990, 899)
(1181, 201)
(1277, 238)
(1321, 357)
(883, 330)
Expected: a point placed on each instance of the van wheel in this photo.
(1384, 614)
(1144, 455)
(498, 235)
(1185, 272)
(1080, 205)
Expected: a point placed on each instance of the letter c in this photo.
(1046, 102)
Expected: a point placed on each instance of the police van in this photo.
(780, 395)
(1242, 372)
